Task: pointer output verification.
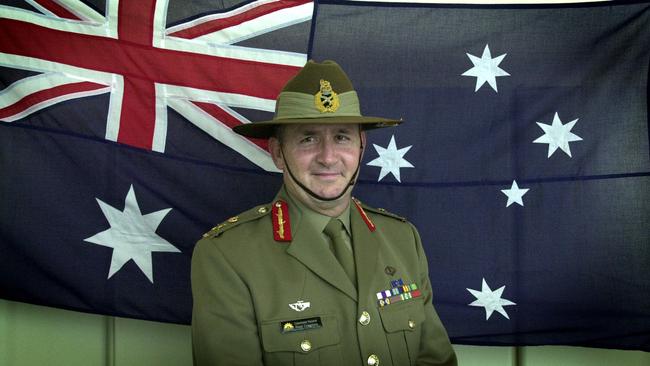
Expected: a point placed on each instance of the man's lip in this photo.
(327, 174)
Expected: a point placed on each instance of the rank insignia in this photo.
(299, 325)
(398, 292)
(326, 99)
(281, 222)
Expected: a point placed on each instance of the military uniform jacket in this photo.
(265, 299)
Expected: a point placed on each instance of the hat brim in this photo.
(266, 129)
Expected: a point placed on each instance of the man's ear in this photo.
(276, 152)
(362, 134)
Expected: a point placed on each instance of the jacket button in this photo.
(373, 360)
(305, 345)
(364, 319)
(411, 324)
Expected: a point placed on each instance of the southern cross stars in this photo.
(485, 69)
(132, 235)
(557, 135)
(391, 159)
(490, 300)
(515, 194)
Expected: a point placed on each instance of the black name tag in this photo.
(299, 325)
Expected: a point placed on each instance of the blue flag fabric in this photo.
(523, 159)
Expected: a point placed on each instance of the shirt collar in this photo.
(316, 219)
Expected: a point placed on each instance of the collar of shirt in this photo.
(312, 218)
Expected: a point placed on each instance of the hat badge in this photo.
(326, 99)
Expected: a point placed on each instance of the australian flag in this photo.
(523, 160)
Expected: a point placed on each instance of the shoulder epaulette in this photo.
(380, 211)
(250, 215)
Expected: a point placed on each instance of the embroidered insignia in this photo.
(326, 99)
(281, 222)
(290, 326)
(365, 217)
(300, 305)
(397, 292)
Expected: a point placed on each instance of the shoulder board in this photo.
(380, 211)
(250, 215)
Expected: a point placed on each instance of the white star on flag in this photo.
(557, 135)
(132, 235)
(485, 69)
(515, 194)
(391, 159)
(490, 300)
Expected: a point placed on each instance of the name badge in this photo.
(299, 325)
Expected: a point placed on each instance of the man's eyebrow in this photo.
(309, 131)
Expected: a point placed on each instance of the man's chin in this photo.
(330, 193)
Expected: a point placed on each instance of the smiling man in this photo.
(320, 161)
(315, 277)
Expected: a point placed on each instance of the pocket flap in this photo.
(275, 340)
(406, 315)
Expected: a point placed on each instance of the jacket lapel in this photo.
(310, 248)
(366, 249)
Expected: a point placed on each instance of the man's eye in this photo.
(342, 138)
(307, 140)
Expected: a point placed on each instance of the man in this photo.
(315, 277)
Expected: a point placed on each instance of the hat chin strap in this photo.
(351, 183)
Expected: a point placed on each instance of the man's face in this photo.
(322, 157)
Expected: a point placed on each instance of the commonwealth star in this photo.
(132, 235)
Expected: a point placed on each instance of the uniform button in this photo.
(233, 219)
(373, 360)
(411, 324)
(305, 345)
(261, 210)
(364, 319)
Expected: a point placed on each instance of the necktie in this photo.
(342, 252)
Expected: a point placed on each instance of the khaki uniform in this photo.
(262, 301)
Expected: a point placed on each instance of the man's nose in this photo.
(327, 154)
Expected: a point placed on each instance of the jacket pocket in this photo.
(313, 346)
(402, 323)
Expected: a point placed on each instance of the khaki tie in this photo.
(342, 252)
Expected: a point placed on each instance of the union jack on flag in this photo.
(147, 66)
(95, 143)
